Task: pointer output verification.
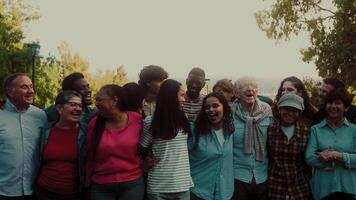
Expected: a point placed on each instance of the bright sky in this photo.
(222, 37)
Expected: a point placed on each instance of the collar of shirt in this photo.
(325, 123)
(299, 130)
(11, 107)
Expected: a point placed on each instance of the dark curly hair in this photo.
(299, 85)
(68, 81)
(202, 123)
(151, 73)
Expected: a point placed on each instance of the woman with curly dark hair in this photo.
(294, 85)
(210, 150)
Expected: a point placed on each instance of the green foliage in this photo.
(118, 76)
(14, 55)
(71, 62)
(312, 86)
(332, 33)
(47, 81)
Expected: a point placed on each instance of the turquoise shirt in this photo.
(19, 149)
(211, 166)
(329, 178)
(246, 166)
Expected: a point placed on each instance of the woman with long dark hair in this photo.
(210, 150)
(113, 166)
(165, 134)
(294, 85)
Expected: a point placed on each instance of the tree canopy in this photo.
(330, 25)
(17, 56)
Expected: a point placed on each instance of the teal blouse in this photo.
(211, 166)
(245, 166)
(330, 177)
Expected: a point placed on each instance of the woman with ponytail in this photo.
(113, 166)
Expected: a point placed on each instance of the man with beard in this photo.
(20, 125)
(193, 99)
(76, 82)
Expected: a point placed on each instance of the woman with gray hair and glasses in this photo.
(62, 150)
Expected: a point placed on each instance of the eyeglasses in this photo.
(249, 85)
(74, 104)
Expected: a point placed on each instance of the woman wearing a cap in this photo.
(332, 151)
(294, 85)
(287, 141)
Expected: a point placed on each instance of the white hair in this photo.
(238, 82)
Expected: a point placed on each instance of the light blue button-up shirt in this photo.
(19, 149)
(330, 177)
(246, 166)
(211, 166)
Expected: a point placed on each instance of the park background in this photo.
(110, 41)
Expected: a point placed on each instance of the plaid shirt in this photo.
(288, 171)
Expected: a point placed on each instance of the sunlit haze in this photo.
(222, 37)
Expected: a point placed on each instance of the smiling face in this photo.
(104, 103)
(83, 88)
(335, 110)
(215, 111)
(71, 110)
(21, 93)
(289, 115)
(247, 92)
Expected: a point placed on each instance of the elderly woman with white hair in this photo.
(288, 172)
(251, 120)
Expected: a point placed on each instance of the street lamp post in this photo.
(207, 81)
(34, 50)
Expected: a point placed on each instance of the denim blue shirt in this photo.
(246, 166)
(19, 149)
(211, 166)
(330, 177)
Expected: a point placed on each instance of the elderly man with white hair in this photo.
(251, 120)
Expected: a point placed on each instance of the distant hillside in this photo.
(266, 86)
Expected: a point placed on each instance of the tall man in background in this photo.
(193, 99)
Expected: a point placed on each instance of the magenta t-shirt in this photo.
(116, 158)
